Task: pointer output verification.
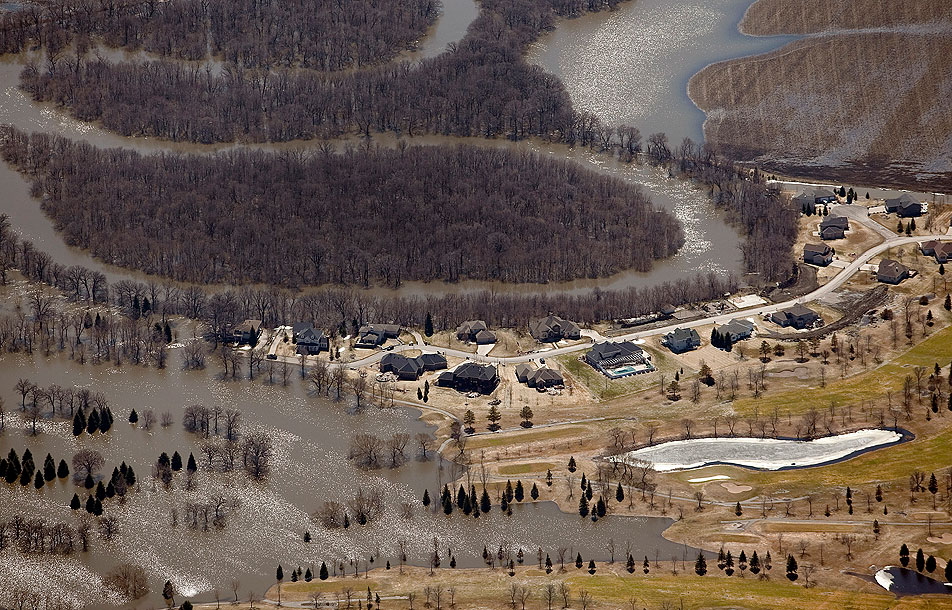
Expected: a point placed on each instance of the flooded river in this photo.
(632, 66)
(311, 438)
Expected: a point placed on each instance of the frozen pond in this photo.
(761, 453)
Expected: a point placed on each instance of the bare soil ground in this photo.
(847, 102)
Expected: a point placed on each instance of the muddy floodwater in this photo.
(632, 65)
(311, 436)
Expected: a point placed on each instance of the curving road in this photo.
(838, 280)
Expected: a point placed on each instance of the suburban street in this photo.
(836, 282)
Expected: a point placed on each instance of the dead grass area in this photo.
(768, 17)
(780, 110)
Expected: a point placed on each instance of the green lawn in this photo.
(604, 388)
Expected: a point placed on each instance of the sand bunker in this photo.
(734, 488)
(943, 539)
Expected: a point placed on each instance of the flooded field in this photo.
(311, 438)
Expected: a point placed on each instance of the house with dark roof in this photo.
(891, 272)
(246, 332)
(471, 377)
(904, 206)
(375, 335)
(834, 227)
(681, 340)
(553, 328)
(737, 329)
(615, 354)
(941, 250)
(410, 369)
(823, 196)
(817, 254)
(523, 371)
(798, 317)
(309, 340)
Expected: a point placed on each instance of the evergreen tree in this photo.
(74, 503)
(90, 504)
(930, 564)
(548, 473)
(307, 536)
(509, 492)
(100, 491)
(948, 303)
(646, 567)
(920, 560)
(729, 564)
(426, 497)
(948, 570)
(428, 325)
(49, 468)
(110, 490)
(89, 483)
(130, 477)
(591, 566)
(588, 491)
(133, 417)
(168, 333)
(600, 507)
(754, 563)
(630, 564)
(187, 605)
(192, 466)
(572, 465)
(97, 510)
(447, 505)
(279, 575)
(584, 482)
(39, 481)
(176, 461)
(519, 493)
(92, 424)
(620, 493)
(738, 510)
(323, 573)
(461, 496)
(792, 568)
(308, 577)
(700, 566)
(504, 503)
(578, 561)
(484, 503)
(105, 419)
(583, 506)
(79, 422)
(548, 564)
(534, 492)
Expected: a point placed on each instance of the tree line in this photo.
(320, 35)
(480, 87)
(363, 216)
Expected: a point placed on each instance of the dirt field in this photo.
(788, 110)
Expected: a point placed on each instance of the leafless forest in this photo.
(360, 217)
(482, 87)
(323, 35)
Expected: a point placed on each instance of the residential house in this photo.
(682, 340)
(834, 227)
(375, 335)
(407, 369)
(433, 362)
(824, 197)
(891, 272)
(941, 250)
(798, 317)
(904, 206)
(611, 354)
(471, 377)
(247, 332)
(545, 377)
(308, 339)
(737, 329)
(523, 371)
(817, 254)
(553, 328)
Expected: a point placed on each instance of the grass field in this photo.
(866, 386)
(499, 440)
(530, 467)
(611, 587)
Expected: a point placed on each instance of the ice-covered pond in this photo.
(761, 453)
(903, 581)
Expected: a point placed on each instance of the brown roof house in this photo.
(817, 254)
(475, 331)
(553, 328)
(891, 272)
(941, 250)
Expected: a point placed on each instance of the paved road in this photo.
(838, 280)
